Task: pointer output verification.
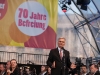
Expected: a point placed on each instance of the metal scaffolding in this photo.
(85, 22)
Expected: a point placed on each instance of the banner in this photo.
(28, 23)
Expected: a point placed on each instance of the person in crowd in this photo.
(21, 70)
(27, 71)
(33, 72)
(8, 64)
(14, 70)
(43, 70)
(94, 70)
(48, 71)
(59, 59)
(73, 69)
(2, 69)
(83, 70)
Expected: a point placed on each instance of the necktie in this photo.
(61, 54)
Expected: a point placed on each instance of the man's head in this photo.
(8, 64)
(49, 70)
(43, 68)
(13, 63)
(61, 42)
(83, 69)
(2, 67)
(93, 68)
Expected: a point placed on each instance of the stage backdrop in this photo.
(28, 23)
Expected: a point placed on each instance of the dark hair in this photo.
(11, 64)
(46, 67)
(14, 60)
(84, 66)
(3, 65)
(95, 65)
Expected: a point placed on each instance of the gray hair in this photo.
(61, 38)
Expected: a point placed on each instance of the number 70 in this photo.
(23, 13)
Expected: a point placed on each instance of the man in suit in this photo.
(2, 69)
(59, 59)
(14, 69)
(94, 69)
(83, 70)
(43, 70)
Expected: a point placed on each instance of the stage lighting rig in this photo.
(83, 3)
(64, 8)
(65, 2)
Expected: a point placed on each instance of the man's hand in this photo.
(9, 72)
(53, 65)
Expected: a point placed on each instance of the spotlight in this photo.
(79, 2)
(78, 60)
(69, 2)
(83, 2)
(84, 7)
(86, 2)
(64, 8)
(89, 61)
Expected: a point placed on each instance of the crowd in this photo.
(11, 68)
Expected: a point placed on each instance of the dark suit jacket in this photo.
(97, 73)
(16, 71)
(3, 73)
(59, 64)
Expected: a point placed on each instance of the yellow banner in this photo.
(28, 23)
